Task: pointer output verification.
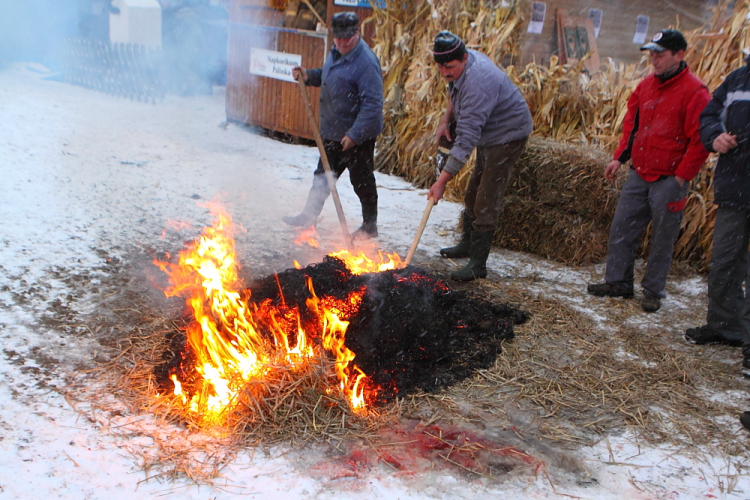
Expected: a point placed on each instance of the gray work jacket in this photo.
(489, 110)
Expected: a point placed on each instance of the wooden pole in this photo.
(418, 236)
(324, 159)
(309, 6)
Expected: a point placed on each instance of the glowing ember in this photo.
(234, 343)
(361, 263)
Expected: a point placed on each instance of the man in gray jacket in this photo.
(351, 117)
(491, 115)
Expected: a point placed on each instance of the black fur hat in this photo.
(448, 47)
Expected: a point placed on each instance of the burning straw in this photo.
(309, 354)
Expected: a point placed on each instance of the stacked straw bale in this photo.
(568, 106)
(557, 205)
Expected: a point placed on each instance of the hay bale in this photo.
(558, 205)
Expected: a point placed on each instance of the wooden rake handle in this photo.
(324, 159)
(420, 230)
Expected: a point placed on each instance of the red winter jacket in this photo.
(664, 118)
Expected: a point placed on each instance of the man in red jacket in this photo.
(661, 135)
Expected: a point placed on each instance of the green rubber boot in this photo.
(481, 242)
(461, 250)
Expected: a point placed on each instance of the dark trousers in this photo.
(728, 302)
(642, 202)
(359, 160)
(484, 193)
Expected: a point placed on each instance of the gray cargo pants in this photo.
(639, 203)
(728, 304)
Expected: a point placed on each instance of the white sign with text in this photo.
(274, 64)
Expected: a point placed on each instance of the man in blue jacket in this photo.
(490, 115)
(351, 117)
(725, 129)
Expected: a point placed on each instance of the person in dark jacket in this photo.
(725, 129)
(351, 118)
(662, 138)
(490, 115)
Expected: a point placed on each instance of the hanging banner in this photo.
(273, 64)
(538, 13)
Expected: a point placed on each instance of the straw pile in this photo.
(577, 381)
(557, 191)
(567, 105)
(290, 409)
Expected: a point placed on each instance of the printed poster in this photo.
(596, 19)
(538, 13)
(641, 28)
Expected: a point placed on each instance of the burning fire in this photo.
(307, 236)
(226, 333)
(361, 263)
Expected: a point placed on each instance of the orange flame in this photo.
(225, 335)
(361, 263)
(307, 236)
(331, 311)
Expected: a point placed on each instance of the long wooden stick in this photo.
(324, 159)
(418, 236)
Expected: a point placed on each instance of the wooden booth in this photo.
(266, 39)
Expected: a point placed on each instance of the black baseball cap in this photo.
(666, 40)
(344, 24)
(447, 47)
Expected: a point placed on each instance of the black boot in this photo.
(461, 250)
(369, 227)
(481, 242)
(314, 205)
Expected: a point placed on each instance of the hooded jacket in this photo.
(729, 111)
(661, 131)
(351, 94)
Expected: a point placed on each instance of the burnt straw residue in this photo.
(410, 331)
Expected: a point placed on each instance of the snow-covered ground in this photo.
(87, 178)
